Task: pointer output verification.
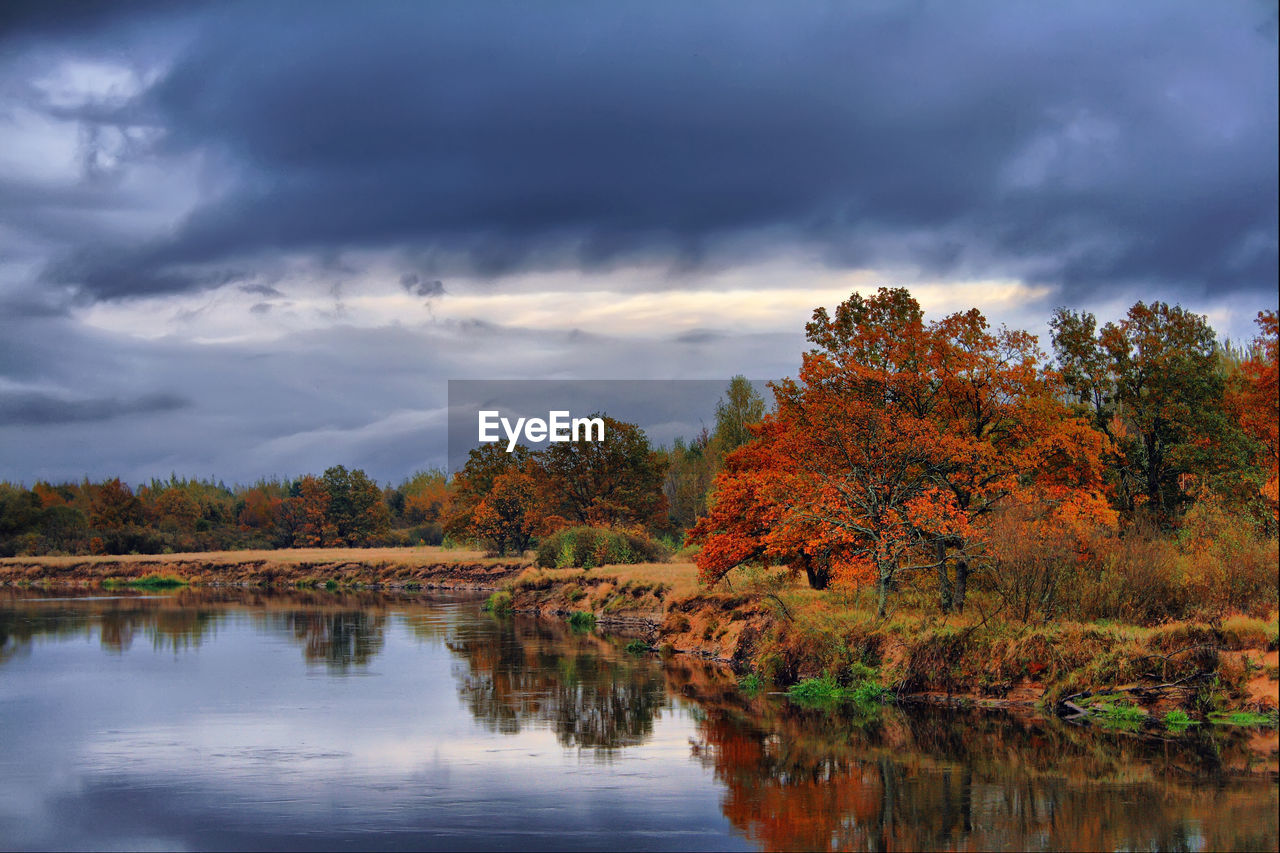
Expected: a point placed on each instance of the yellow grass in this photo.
(682, 578)
(426, 556)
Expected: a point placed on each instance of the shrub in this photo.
(499, 603)
(582, 620)
(1228, 564)
(1136, 577)
(1121, 714)
(1178, 721)
(637, 647)
(426, 534)
(588, 547)
(152, 581)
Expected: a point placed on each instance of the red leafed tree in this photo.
(1256, 402)
(892, 446)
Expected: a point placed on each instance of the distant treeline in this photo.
(625, 483)
(338, 508)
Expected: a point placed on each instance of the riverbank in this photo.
(372, 568)
(781, 634)
(1121, 676)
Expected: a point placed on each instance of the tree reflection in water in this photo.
(518, 672)
(928, 779)
(340, 640)
(175, 622)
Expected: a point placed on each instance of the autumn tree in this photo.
(842, 476)
(425, 497)
(114, 506)
(305, 515)
(1254, 398)
(174, 509)
(510, 513)
(484, 465)
(894, 443)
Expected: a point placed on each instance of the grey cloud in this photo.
(420, 286)
(261, 290)
(1086, 145)
(32, 408)
(698, 336)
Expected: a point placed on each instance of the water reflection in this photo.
(934, 779)
(341, 641)
(520, 671)
(169, 622)
(246, 722)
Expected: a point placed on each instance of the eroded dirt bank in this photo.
(1057, 668)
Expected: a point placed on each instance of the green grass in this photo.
(1241, 718)
(1178, 721)
(152, 581)
(751, 683)
(826, 691)
(1121, 715)
(582, 620)
(499, 603)
(637, 647)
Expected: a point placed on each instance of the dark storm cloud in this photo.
(419, 286)
(36, 409)
(1086, 145)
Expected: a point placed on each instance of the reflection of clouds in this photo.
(243, 745)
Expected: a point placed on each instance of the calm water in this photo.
(300, 721)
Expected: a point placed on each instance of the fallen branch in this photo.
(1086, 694)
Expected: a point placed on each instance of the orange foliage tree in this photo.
(306, 515)
(510, 513)
(1255, 400)
(894, 443)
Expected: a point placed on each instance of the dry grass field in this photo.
(422, 556)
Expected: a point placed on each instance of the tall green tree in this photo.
(614, 482)
(355, 509)
(1151, 382)
(736, 412)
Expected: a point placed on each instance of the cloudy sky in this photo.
(245, 239)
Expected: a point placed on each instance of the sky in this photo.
(246, 239)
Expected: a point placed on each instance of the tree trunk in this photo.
(882, 588)
(818, 578)
(944, 580)
(962, 580)
(819, 574)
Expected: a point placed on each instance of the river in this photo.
(326, 720)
